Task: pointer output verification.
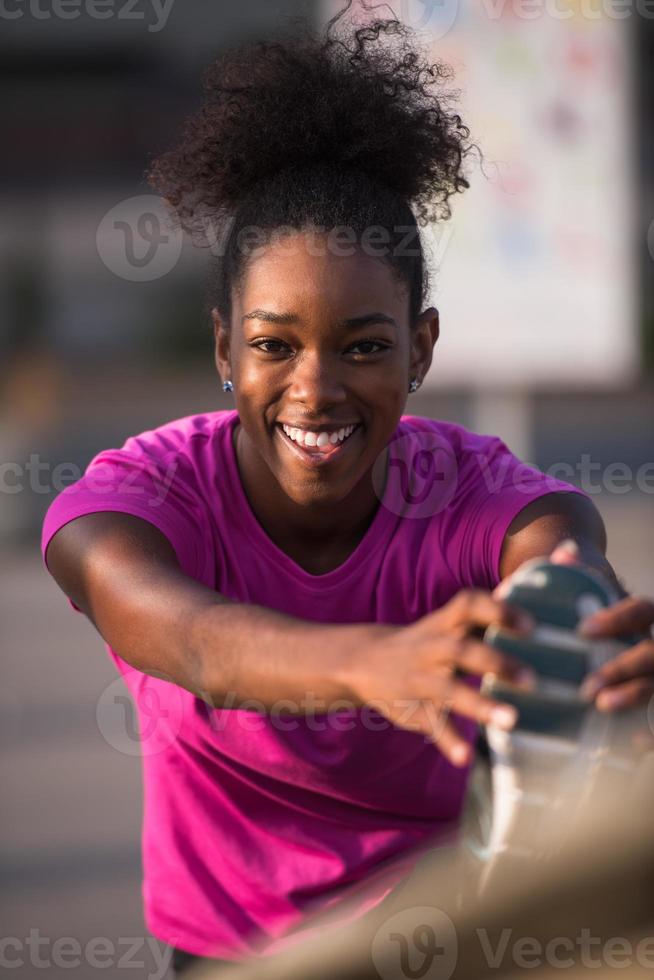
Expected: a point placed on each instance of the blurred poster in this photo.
(534, 275)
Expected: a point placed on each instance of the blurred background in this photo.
(543, 278)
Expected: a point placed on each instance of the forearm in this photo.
(123, 573)
(227, 652)
(247, 652)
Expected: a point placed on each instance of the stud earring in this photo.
(414, 385)
(228, 386)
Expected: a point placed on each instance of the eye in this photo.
(270, 346)
(367, 347)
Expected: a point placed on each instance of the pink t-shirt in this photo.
(251, 823)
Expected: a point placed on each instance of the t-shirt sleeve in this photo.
(493, 487)
(129, 481)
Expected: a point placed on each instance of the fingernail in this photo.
(608, 700)
(590, 686)
(569, 544)
(460, 755)
(504, 716)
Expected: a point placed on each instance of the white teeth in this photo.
(305, 437)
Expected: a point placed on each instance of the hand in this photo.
(412, 674)
(628, 680)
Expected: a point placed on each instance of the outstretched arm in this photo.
(123, 573)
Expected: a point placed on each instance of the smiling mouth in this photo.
(317, 447)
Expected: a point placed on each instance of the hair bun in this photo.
(364, 101)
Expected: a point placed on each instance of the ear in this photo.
(222, 352)
(424, 335)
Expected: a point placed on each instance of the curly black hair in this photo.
(344, 130)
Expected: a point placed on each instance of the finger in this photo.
(464, 700)
(631, 694)
(470, 703)
(566, 553)
(634, 614)
(449, 741)
(475, 608)
(478, 658)
(636, 662)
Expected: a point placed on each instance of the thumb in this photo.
(566, 553)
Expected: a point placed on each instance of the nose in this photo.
(317, 382)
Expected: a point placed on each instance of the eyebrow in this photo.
(350, 324)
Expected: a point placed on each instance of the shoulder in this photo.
(188, 436)
(187, 449)
(163, 475)
(458, 436)
(463, 442)
(487, 498)
(479, 464)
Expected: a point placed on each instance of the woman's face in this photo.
(320, 354)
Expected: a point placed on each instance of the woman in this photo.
(294, 590)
